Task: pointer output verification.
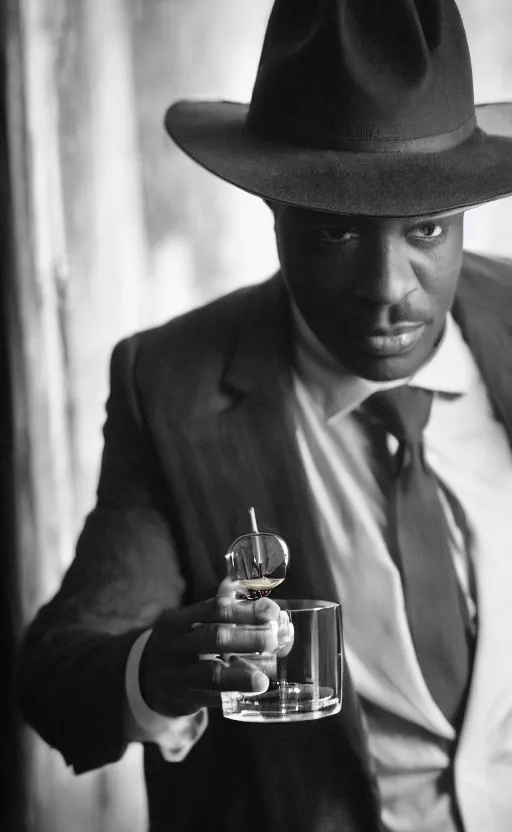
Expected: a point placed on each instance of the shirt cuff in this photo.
(174, 735)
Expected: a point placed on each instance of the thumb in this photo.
(228, 588)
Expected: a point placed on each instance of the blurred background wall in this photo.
(110, 229)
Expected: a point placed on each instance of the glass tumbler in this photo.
(306, 683)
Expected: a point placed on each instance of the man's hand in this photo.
(178, 672)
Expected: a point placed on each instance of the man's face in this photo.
(374, 291)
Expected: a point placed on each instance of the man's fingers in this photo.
(226, 638)
(230, 611)
(285, 635)
(215, 676)
(222, 610)
(227, 588)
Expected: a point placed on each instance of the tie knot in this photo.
(403, 411)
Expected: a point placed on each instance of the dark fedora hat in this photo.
(359, 107)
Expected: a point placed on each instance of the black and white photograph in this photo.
(256, 415)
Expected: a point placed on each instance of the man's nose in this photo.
(387, 274)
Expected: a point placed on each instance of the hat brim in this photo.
(389, 184)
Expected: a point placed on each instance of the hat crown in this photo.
(364, 74)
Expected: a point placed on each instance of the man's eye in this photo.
(337, 235)
(428, 231)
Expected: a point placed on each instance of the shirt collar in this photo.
(449, 370)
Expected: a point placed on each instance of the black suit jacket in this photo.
(198, 428)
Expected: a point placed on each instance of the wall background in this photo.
(115, 230)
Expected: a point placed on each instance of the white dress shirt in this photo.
(410, 740)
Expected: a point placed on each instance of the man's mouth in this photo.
(396, 341)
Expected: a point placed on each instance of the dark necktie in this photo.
(419, 536)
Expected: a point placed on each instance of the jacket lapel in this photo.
(248, 440)
(250, 444)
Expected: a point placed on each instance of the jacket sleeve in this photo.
(125, 573)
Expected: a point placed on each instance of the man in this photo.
(367, 424)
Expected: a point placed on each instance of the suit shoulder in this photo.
(496, 269)
(182, 352)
